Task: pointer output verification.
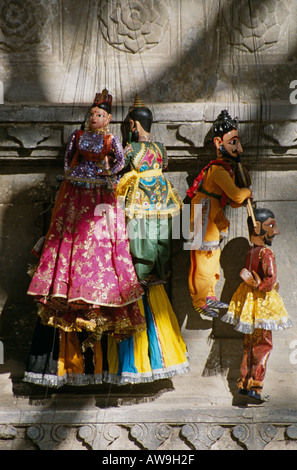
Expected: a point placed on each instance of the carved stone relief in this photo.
(284, 135)
(47, 436)
(201, 436)
(256, 25)
(134, 25)
(63, 50)
(24, 26)
(254, 437)
(151, 436)
(99, 436)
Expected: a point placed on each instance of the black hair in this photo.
(261, 215)
(143, 115)
(223, 124)
(105, 106)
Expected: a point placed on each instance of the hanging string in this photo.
(81, 73)
(244, 102)
(263, 99)
(149, 101)
(70, 56)
(214, 55)
(98, 69)
(265, 110)
(82, 82)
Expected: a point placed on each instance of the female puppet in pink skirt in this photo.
(85, 283)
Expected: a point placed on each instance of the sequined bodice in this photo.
(91, 144)
(84, 156)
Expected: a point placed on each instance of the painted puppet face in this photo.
(232, 143)
(269, 230)
(99, 118)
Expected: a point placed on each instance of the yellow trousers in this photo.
(204, 273)
(71, 360)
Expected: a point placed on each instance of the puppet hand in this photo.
(256, 277)
(253, 280)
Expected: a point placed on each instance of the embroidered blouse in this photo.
(85, 159)
(147, 190)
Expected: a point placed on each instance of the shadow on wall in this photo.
(22, 25)
(24, 222)
(20, 232)
(226, 351)
(209, 61)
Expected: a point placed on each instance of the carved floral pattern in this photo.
(134, 25)
(21, 24)
(257, 25)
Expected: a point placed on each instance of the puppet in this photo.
(256, 308)
(150, 199)
(150, 203)
(85, 282)
(214, 187)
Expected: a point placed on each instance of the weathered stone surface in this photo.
(188, 60)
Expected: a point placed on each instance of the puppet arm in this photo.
(222, 179)
(119, 155)
(70, 151)
(269, 269)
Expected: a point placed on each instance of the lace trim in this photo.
(146, 377)
(58, 381)
(249, 328)
(97, 379)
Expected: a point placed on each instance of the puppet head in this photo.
(266, 228)
(99, 114)
(140, 119)
(103, 100)
(226, 137)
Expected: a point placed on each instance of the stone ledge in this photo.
(279, 111)
(211, 430)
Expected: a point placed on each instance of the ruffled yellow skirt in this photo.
(250, 309)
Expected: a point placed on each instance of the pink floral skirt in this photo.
(85, 278)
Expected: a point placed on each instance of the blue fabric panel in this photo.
(126, 356)
(154, 347)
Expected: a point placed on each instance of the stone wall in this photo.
(188, 60)
(170, 51)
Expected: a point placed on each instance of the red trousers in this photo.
(256, 350)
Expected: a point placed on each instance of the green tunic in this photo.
(150, 203)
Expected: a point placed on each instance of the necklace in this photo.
(97, 131)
